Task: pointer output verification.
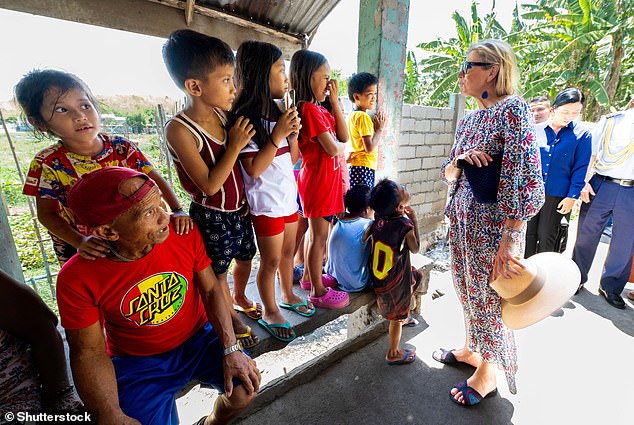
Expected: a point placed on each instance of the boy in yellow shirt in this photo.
(365, 133)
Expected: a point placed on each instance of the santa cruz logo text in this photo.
(155, 300)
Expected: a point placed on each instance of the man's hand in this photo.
(586, 192)
(239, 365)
(565, 206)
(241, 132)
(182, 222)
(91, 248)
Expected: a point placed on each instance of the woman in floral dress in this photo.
(486, 238)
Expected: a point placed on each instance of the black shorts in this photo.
(227, 235)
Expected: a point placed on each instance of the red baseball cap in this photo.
(96, 198)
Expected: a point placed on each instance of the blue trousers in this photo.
(612, 199)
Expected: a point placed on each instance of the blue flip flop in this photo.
(410, 322)
(469, 395)
(402, 361)
(270, 326)
(295, 308)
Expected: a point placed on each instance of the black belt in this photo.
(620, 182)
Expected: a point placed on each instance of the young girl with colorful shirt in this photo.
(320, 178)
(267, 169)
(60, 105)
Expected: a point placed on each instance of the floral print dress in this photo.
(475, 228)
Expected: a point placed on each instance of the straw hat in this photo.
(548, 281)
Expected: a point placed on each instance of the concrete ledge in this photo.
(311, 369)
(303, 325)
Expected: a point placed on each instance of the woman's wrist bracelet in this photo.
(273, 143)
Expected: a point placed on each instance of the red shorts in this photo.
(271, 226)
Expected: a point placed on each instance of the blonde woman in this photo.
(487, 237)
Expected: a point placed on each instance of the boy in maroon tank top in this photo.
(205, 157)
(394, 234)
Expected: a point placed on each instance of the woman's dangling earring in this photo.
(485, 94)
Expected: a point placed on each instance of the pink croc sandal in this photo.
(331, 299)
(326, 279)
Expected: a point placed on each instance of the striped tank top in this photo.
(231, 195)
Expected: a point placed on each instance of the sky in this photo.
(117, 62)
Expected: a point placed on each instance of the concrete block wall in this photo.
(426, 137)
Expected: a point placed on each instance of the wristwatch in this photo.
(512, 233)
(232, 349)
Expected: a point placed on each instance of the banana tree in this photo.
(438, 74)
(580, 43)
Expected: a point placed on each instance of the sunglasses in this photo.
(466, 65)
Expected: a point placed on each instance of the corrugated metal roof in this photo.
(295, 17)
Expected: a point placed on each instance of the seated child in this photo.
(347, 254)
(394, 234)
(365, 133)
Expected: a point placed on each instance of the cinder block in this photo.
(429, 163)
(406, 112)
(425, 209)
(437, 126)
(408, 124)
(404, 139)
(446, 114)
(423, 125)
(418, 112)
(438, 151)
(416, 139)
(407, 152)
(406, 177)
(417, 199)
(433, 113)
(413, 164)
(423, 151)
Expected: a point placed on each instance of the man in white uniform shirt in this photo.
(609, 191)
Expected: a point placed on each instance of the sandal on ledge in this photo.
(296, 308)
(326, 279)
(254, 312)
(246, 336)
(331, 299)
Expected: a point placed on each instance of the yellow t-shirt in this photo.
(359, 125)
